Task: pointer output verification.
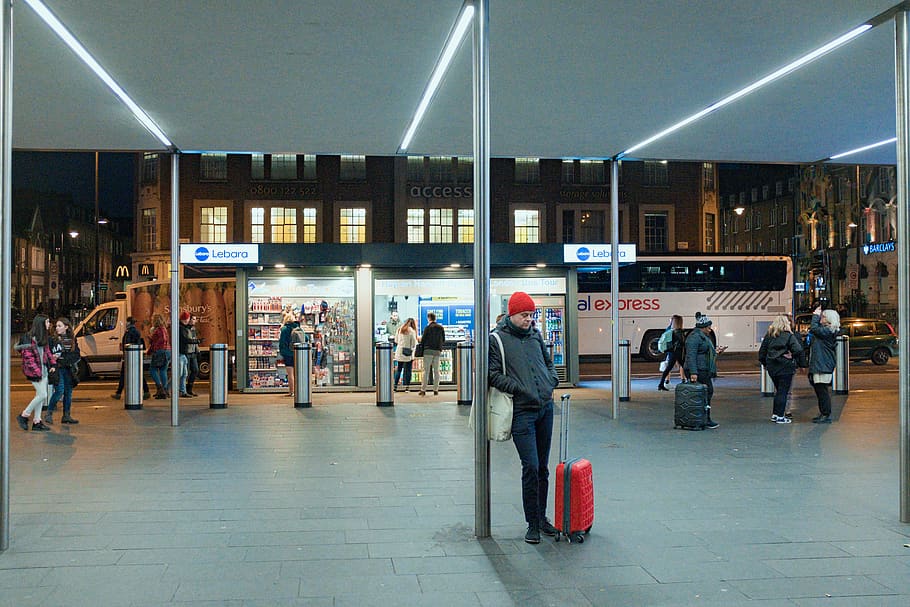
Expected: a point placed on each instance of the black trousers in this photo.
(823, 393)
(782, 385)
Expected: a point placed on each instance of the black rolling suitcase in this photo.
(691, 406)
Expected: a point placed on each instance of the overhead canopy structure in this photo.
(587, 78)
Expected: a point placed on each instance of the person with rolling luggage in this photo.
(574, 487)
(529, 376)
(700, 360)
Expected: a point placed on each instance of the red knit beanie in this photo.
(184, 316)
(520, 302)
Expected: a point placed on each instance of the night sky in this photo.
(74, 173)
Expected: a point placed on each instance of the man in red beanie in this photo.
(529, 376)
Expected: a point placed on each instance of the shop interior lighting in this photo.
(454, 265)
(55, 24)
(280, 265)
(790, 67)
(541, 265)
(442, 65)
(864, 148)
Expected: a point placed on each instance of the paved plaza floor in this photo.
(347, 504)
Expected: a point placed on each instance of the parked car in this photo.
(870, 339)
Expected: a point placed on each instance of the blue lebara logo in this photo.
(202, 254)
(583, 253)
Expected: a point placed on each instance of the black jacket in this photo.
(188, 341)
(821, 349)
(434, 337)
(530, 376)
(773, 353)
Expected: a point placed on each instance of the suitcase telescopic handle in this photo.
(564, 428)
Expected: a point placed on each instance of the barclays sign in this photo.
(596, 253)
(223, 254)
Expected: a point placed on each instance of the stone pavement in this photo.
(347, 504)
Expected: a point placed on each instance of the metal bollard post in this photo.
(132, 382)
(218, 376)
(303, 374)
(767, 386)
(384, 375)
(550, 348)
(622, 380)
(464, 372)
(841, 384)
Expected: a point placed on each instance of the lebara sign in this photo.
(224, 254)
(596, 253)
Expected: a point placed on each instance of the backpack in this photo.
(31, 363)
(663, 344)
(299, 336)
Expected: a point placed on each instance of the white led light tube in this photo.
(864, 148)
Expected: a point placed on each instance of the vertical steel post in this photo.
(464, 372)
(481, 85)
(132, 381)
(175, 288)
(218, 376)
(6, 176)
(766, 385)
(384, 375)
(902, 104)
(621, 371)
(614, 280)
(303, 376)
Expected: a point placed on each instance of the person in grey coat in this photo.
(822, 359)
(701, 354)
(529, 376)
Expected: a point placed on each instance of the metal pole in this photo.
(481, 85)
(96, 293)
(614, 280)
(384, 395)
(902, 87)
(6, 152)
(464, 372)
(175, 288)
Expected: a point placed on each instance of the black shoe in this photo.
(40, 427)
(23, 422)
(533, 535)
(191, 393)
(184, 395)
(116, 396)
(821, 419)
(68, 420)
(663, 388)
(49, 418)
(547, 528)
(711, 425)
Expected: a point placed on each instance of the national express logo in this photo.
(202, 254)
(583, 253)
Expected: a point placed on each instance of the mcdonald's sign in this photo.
(122, 272)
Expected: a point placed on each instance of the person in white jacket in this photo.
(405, 343)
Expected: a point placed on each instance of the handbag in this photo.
(53, 377)
(499, 407)
(74, 373)
(159, 359)
(418, 351)
(663, 365)
(406, 351)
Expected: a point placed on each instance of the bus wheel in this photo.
(649, 349)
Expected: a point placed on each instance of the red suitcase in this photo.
(574, 488)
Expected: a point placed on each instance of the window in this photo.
(257, 224)
(149, 229)
(415, 226)
(309, 167)
(415, 169)
(213, 224)
(593, 172)
(756, 220)
(213, 167)
(686, 276)
(283, 221)
(353, 168)
(748, 218)
(257, 166)
(150, 164)
(568, 171)
(527, 226)
(732, 200)
(785, 246)
(784, 213)
(106, 320)
(754, 194)
(308, 226)
(773, 248)
(656, 232)
(527, 170)
(442, 170)
(656, 173)
(779, 188)
(709, 232)
(466, 225)
(440, 225)
(791, 185)
(765, 190)
(707, 169)
(353, 224)
(772, 212)
(742, 198)
(591, 226)
(284, 167)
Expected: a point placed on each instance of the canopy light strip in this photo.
(448, 53)
(55, 24)
(755, 85)
(864, 148)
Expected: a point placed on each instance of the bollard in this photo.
(218, 376)
(841, 384)
(384, 375)
(550, 347)
(767, 386)
(302, 376)
(132, 382)
(621, 378)
(464, 367)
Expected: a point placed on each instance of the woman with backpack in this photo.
(779, 353)
(37, 361)
(674, 340)
(66, 350)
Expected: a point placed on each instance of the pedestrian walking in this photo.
(37, 362)
(160, 351)
(66, 351)
(131, 335)
(779, 352)
(675, 349)
(824, 330)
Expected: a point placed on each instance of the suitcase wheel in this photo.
(576, 537)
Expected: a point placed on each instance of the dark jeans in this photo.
(671, 361)
(704, 377)
(64, 389)
(189, 373)
(405, 368)
(782, 385)
(532, 433)
(823, 393)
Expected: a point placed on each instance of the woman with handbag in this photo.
(37, 362)
(64, 347)
(160, 351)
(406, 342)
(779, 352)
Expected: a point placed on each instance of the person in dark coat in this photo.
(285, 346)
(433, 340)
(701, 355)
(131, 335)
(778, 353)
(529, 376)
(822, 359)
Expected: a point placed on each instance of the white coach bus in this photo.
(741, 294)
